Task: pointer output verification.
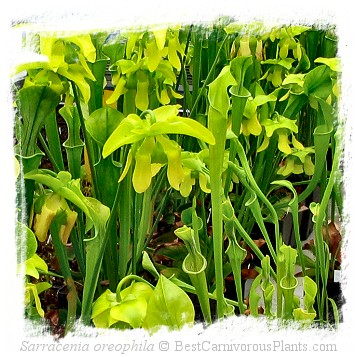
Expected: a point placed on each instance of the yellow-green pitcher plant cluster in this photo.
(185, 149)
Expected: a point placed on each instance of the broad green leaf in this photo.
(317, 82)
(124, 134)
(294, 79)
(233, 27)
(102, 320)
(218, 95)
(26, 242)
(35, 104)
(183, 126)
(168, 306)
(167, 111)
(104, 302)
(132, 311)
(333, 63)
(102, 123)
(137, 289)
(30, 266)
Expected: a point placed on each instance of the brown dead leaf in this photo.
(249, 273)
(333, 237)
(53, 317)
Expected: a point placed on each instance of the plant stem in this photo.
(208, 79)
(125, 216)
(61, 254)
(90, 287)
(49, 153)
(321, 259)
(88, 144)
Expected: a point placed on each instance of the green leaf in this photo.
(32, 288)
(42, 286)
(149, 266)
(35, 104)
(168, 306)
(238, 68)
(194, 262)
(301, 315)
(105, 301)
(137, 289)
(335, 311)
(218, 94)
(183, 126)
(186, 218)
(123, 134)
(318, 82)
(294, 79)
(333, 63)
(160, 36)
(310, 290)
(118, 91)
(31, 266)
(130, 311)
(254, 297)
(97, 214)
(77, 74)
(103, 320)
(26, 242)
(102, 122)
